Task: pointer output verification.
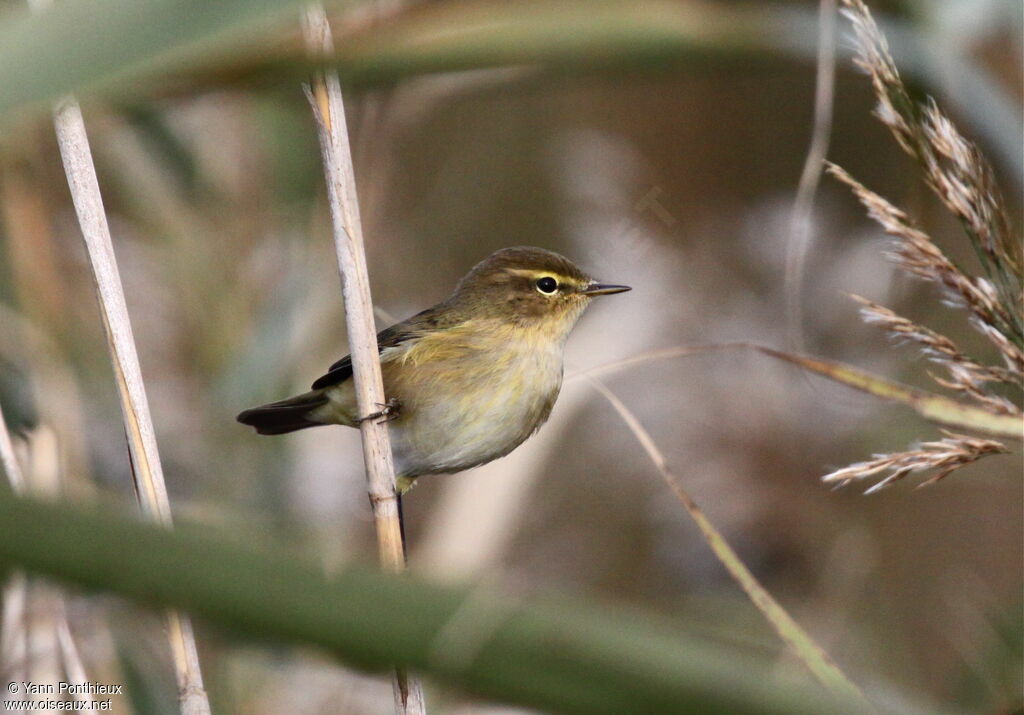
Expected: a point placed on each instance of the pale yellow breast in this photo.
(469, 395)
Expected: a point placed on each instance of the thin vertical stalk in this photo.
(146, 469)
(15, 634)
(324, 94)
(802, 221)
(818, 662)
(14, 625)
(8, 458)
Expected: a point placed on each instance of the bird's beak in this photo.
(604, 289)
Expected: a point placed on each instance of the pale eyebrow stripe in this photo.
(530, 273)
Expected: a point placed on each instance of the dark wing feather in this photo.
(387, 338)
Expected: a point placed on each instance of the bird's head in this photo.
(529, 287)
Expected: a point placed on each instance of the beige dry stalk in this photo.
(9, 459)
(792, 634)
(15, 633)
(801, 223)
(958, 174)
(324, 94)
(149, 481)
(30, 248)
(146, 468)
(35, 636)
(13, 621)
(935, 408)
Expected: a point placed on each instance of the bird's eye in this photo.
(547, 285)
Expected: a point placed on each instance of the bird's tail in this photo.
(289, 415)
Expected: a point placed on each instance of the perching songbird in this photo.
(468, 380)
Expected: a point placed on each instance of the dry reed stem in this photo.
(46, 478)
(792, 634)
(15, 628)
(146, 469)
(9, 459)
(71, 659)
(946, 456)
(14, 633)
(325, 98)
(949, 457)
(935, 408)
(801, 223)
(655, 355)
(13, 624)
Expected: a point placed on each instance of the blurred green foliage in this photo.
(564, 656)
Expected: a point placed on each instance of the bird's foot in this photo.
(387, 412)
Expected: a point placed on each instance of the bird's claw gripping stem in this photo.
(387, 412)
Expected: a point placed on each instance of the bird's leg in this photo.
(387, 412)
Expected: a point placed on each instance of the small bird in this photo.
(468, 380)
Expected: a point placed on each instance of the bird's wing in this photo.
(387, 338)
